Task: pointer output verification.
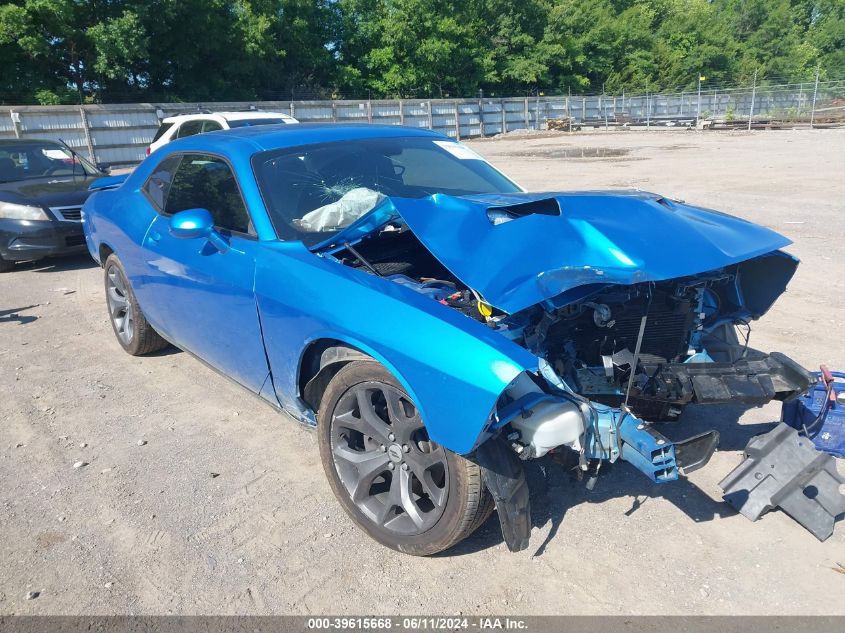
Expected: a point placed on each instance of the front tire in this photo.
(132, 330)
(5, 265)
(402, 489)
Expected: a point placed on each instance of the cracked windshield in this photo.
(315, 192)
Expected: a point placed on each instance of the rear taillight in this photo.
(149, 149)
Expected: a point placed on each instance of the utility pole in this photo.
(815, 94)
(753, 95)
(602, 100)
(648, 108)
(481, 111)
(800, 100)
(698, 109)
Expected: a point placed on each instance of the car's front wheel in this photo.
(132, 330)
(5, 265)
(402, 489)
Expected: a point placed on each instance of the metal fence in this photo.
(119, 134)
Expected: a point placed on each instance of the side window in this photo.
(207, 182)
(161, 131)
(158, 184)
(189, 128)
(211, 126)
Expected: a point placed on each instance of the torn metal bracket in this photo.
(783, 469)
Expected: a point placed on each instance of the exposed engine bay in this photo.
(696, 330)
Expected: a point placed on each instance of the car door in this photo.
(201, 294)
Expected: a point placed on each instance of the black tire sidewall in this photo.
(448, 528)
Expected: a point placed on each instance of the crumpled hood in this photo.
(598, 238)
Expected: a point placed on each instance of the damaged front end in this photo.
(688, 331)
(634, 306)
(536, 417)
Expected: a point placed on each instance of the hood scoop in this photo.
(505, 213)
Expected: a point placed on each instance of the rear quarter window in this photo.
(189, 128)
(162, 130)
(158, 184)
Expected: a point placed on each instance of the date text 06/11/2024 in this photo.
(430, 623)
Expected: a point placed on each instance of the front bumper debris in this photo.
(780, 469)
(783, 469)
(748, 381)
(751, 382)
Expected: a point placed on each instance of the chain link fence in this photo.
(119, 134)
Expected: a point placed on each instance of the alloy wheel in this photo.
(392, 471)
(120, 308)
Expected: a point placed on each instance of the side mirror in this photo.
(194, 223)
(104, 167)
(191, 224)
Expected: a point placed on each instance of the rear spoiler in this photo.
(109, 182)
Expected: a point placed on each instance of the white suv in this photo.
(183, 125)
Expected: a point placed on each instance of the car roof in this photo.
(28, 141)
(252, 114)
(281, 136)
(244, 114)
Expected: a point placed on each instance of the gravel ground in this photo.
(194, 497)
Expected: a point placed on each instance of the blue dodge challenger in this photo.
(435, 322)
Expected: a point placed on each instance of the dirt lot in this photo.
(199, 499)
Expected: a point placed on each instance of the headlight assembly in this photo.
(11, 211)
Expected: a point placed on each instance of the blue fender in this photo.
(303, 298)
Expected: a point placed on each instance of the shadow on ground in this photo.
(170, 350)
(12, 316)
(56, 264)
(555, 485)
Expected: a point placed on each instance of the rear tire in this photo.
(132, 330)
(402, 489)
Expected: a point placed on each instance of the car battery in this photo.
(828, 434)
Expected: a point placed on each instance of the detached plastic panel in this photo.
(783, 469)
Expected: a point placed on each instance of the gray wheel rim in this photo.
(392, 472)
(120, 310)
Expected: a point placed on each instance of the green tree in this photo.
(57, 51)
(826, 33)
(49, 37)
(414, 47)
(120, 47)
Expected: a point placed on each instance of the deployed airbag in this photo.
(354, 204)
